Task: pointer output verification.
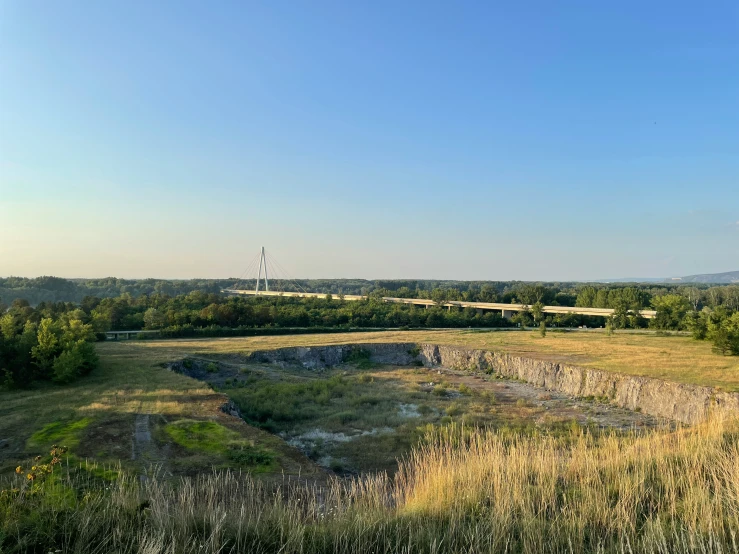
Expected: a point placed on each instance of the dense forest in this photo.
(56, 289)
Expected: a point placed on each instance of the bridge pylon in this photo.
(262, 262)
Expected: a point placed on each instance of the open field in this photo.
(131, 381)
(468, 463)
(134, 410)
(674, 358)
(124, 412)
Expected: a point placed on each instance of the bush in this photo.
(72, 363)
(212, 367)
(439, 390)
(247, 455)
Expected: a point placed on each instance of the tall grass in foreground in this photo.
(464, 491)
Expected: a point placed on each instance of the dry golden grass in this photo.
(674, 358)
(665, 492)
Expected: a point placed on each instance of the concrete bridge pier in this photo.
(507, 314)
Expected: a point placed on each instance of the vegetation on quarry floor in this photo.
(462, 491)
(357, 418)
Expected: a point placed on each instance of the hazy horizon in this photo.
(535, 142)
(253, 277)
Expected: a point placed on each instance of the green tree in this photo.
(155, 319)
(439, 296)
(48, 345)
(671, 310)
(537, 311)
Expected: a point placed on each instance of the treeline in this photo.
(197, 310)
(55, 289)
(52, 342)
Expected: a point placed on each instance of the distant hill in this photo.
(711, 278)
(633, 280)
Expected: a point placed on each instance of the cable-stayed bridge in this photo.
(507, 310)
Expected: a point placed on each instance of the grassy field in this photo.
(666, 492)
(674, 358)
(485, 468)
(131, 381)
(97, 418)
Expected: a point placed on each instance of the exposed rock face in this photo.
(680, 402)
(320, 357)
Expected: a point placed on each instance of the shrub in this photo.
(425, 409)
(212, 367)
(67, 366)
(439, 390)
(248, 455)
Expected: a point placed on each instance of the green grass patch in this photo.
(203, 436)
(213, 438)
(63, 433)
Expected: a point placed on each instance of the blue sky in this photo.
(461, 140)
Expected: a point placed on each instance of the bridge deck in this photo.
(602, 312)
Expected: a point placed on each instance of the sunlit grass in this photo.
(464, 491)
(675, 358)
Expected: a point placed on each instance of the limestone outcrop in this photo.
(676, 401)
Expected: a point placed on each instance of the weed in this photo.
(246, 455)
(439, 390)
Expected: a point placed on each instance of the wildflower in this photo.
(19, 470)
(30, 476)
(37, 459)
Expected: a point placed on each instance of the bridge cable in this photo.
(250, 267)
(284, 271)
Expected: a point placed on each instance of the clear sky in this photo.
(384, 139)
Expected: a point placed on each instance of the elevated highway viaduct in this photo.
(507, 310)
